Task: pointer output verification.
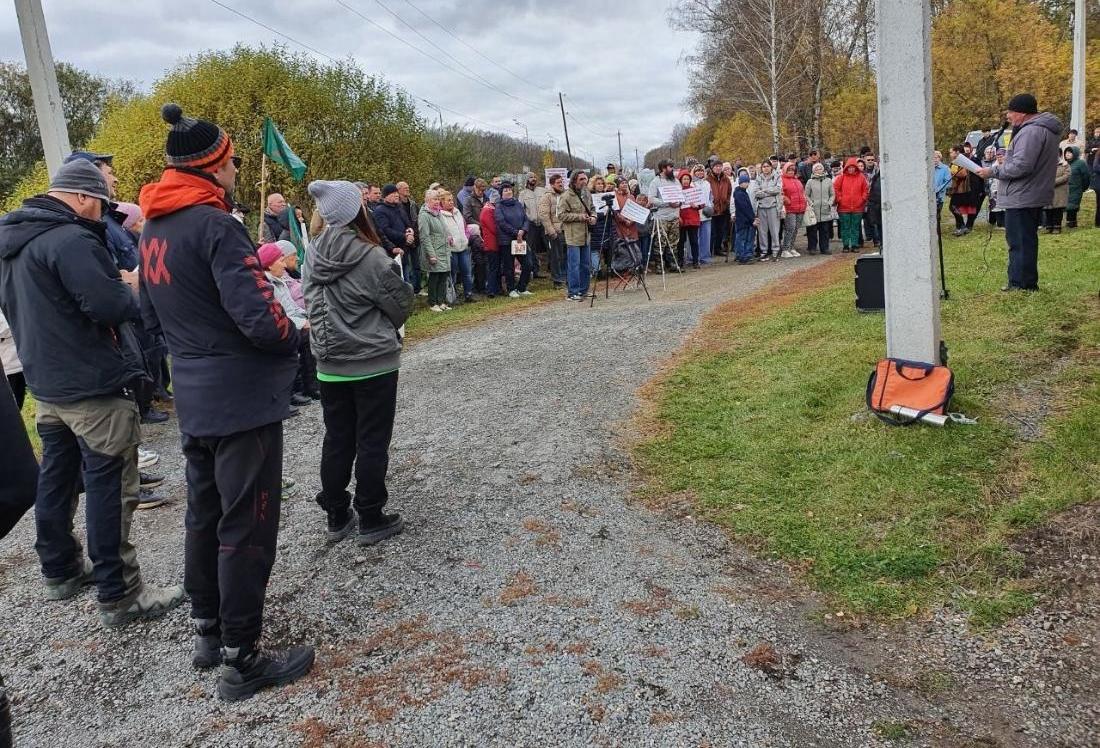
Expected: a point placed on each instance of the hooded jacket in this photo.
(851, 189)
(433, 242)
(819, 193)
(689, 214)
(1026, 178)
(794, 195)
(511, 218)
(1078, 179)
(65, 302)
(1061, 186)
(234, 350)
(488, 222)
(357, 301)
(768, 189)
(743, 212)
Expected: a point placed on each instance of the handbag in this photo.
(917, 387)
(809, 218)
(518, 247)
(451, 295)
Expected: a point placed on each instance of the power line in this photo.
(442, 51)
(334, 60)
(433, 58)
(469, 46)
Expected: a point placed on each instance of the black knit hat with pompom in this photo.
(194, 143)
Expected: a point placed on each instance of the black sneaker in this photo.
(208, 645)
(242, 675)
(379, 527)
(153, 416)
(298, 399)
(148, 480)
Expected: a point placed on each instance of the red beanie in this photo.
(269, 254)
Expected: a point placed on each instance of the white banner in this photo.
(635, 212)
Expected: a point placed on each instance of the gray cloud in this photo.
(618, 63)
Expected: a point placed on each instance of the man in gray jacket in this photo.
(666, 234)
(1025, 185)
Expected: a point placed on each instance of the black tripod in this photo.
(606, 257)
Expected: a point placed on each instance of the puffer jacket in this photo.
(1061, 186)
(573, 211)
(548, 213)
(356, 302)
(819, 193)
(1026, 178)
(433, 242)
(768, 189)
(794, 195)
(456, 229)
(851, 189)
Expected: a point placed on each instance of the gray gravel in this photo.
(527, 603)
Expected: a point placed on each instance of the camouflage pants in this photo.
(666, 237)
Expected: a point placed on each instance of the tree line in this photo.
(343, 122)
(781, 76)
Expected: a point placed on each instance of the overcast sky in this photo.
(617, 63)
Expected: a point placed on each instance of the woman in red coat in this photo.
(851, 191)
(794, 202)
(689, 224)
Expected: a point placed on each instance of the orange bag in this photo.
(920, 387)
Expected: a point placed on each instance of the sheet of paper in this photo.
(966, 163)
(556, 170)
(693, 196)
(672, 193)
(635, 212)
(597, 202)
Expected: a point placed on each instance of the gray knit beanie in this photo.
(337, 202)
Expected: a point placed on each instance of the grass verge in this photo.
(761, 419)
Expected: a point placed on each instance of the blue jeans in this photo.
(578, 261)
(461, 267)
(644, 241)
(743, 243)
(704, 242)
(410, 267)
(492, 280)
(1022, 235)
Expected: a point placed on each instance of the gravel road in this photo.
(528, 602)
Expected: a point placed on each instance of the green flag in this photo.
(278, 151)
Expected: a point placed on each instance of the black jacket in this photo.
(234, 350)
(66, 302)
(874, 201)
(391, 222)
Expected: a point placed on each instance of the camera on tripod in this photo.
(608, 199)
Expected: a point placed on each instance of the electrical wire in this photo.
(334, 60)
(474, 49)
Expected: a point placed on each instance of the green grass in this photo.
(766, 426)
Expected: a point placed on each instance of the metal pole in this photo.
(43, 75)
(620, 134)
(263, 198)
(908, 210)
(565, 127)
(1080, 43)
(637, 169)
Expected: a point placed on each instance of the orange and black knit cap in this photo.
(194, 143)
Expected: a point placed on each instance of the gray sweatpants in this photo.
(792, 224)
(769, 226)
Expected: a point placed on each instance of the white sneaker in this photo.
(513, 294)
(147, 458)
(436, 308)
(795, 253)
(422, 293)
(525, 293)
(786, 254)
(446, 307)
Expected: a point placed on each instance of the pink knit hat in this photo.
(132, 212)
(269, 254)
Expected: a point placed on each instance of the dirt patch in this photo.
(1063, 557)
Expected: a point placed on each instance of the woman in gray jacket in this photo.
(821, 200)
(769, 186)
(357, 303)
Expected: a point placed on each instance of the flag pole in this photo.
(263, 198)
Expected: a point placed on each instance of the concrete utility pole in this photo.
(1080, 43)
(564, 126)
(910, 262)
(43, 75)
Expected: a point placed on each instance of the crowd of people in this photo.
(97, 294)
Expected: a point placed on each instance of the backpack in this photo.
(917, 387)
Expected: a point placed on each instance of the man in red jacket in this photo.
(234, 354)
(721, 192)
(851, 190)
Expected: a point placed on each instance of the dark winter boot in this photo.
(246, 670)
(341, 522)
(208, 644)
(375, 528)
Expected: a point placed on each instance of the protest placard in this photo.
(693, 196)
(635, 212)
(672, 193)
(556, 170)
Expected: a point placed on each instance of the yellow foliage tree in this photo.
(849, 115)
(745, 137)
(986, 51)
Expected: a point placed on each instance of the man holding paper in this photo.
(666, 196)
(1025, 181)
